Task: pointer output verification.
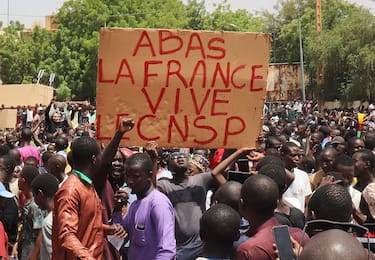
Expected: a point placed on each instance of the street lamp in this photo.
(301, 53)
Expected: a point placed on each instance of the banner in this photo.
(182, 88)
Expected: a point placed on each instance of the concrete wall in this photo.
(8, 118)
(15, 95)
(25, 94)
(284, 82)
(337, 104)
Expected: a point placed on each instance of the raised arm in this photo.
(152, 150)
(218, 171)
(109, 152)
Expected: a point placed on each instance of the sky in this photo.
(30, 11)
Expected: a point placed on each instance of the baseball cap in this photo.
(4, 193)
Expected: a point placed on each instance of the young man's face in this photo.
(177, 161)
(347, 173)
(316, 139)
(358, 145)
(326, 161)
(117, 170)
(301, 130)
(137, 179)
(274, 143)
(202, 152)
(40, 200)
(293, 157)
(360, 165)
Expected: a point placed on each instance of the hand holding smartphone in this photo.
(283, 242)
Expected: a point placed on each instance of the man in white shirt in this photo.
(299, 191)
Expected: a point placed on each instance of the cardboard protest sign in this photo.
(182, 88)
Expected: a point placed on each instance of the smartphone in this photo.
(283, 243)
(243, 165)
(240, 177)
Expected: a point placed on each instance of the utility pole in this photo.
(319, 69)
(301, 53)
(8, 13)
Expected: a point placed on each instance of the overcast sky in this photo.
(30, 11)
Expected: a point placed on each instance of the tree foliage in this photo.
(345, 48)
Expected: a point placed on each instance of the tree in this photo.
(344, 49)
(224, 19)
(63, 93)
(77, 39)
(346, 52)
(197, 16)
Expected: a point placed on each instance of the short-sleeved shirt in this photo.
(298, 190)
(32, 219)
(260, 244)
(150, 224)
(29, 150)
(46, 245)
(188, 200)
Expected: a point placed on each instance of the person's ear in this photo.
(313, 215)
(368, 164)
(285, 188)
(238, 235)
(93, 159)
(40, 193)
(242, 207)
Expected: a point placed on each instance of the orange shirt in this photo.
(78, 230)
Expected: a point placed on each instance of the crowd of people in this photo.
(64, 196)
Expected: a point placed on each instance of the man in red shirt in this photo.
(259, 195)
